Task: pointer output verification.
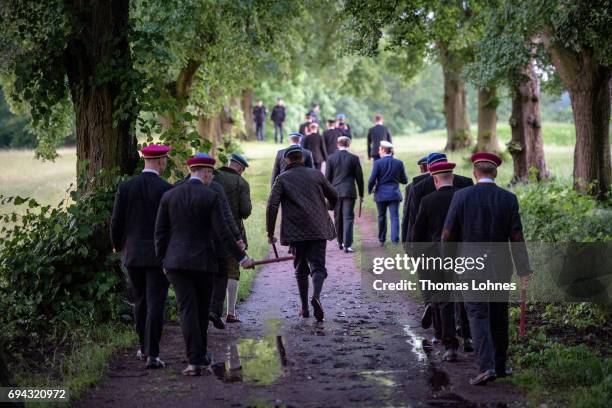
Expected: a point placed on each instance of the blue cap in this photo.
(201, 155)
(292, 149)
(296, 134)
(435, 157)
(423, 160)
(340, 116)
(240, 159)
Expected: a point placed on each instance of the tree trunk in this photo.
(527, 144)
(487, 120)
(96, 86)
(455, 104)
(246, 104)
(588, 83)
(209, 128)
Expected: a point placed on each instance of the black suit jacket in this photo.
(315, 143)
(431, 215)
(133, 219)
(343, 171)
(189, 218)
(331, 140)
(280, 164)
(427, 186)
(376, 134)
(407, 201)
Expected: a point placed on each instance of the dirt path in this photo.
(367, 353)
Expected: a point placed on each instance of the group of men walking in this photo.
(190, 235)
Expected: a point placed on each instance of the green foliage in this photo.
(56, 272)
(552, 212)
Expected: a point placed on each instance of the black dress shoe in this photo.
(318, 309)
(155, 362)
(484, 378)
(340, 246)
(216, 321)
(427, 317)
(305, 313)
(468, 347)
(503, 372)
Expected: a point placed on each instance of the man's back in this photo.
(432, 213)
(343, 171)
(280, 164)
(133, 219)
(386, 175)
(302, 192)
(376, 134)
(315, 143)
(331, 140)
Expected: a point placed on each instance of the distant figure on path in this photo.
(343, 171)
(280, 163)
(259, 117)
(305, 224)
(314, 113)
(189, 218)
(278, 117)
(331, 136)
(376, 134)
(387, 174)
(344, 127)
(132, 233)
(304, 126)
(314, 142)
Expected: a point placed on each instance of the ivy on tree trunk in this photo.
(487, 120)
(455, 103)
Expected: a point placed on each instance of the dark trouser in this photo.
(309, 260)
(375, 156)
(393, 207)
(193, 290)
(278, 131)
(149, 288)
(259, 130)
(344, 217)
(489, 325)
(446, 318)
(462, 321)
(219, 287)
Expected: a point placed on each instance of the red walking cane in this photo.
(275, 259)
(522, 318)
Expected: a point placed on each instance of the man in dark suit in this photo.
(422, 163)
(376, 134)
(132, 233)
(342, 126)
(486, 213)
(278, 117)
(188, 220)
(387, 174)
(428, 229)
(280, 163)
(305, 124)
(343, 171)
(331, 136)
(315, 143)
(259, 117)
(305, 224)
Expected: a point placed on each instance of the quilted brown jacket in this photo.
(301, 192)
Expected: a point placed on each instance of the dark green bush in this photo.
(57, 271)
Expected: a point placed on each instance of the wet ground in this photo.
(368, 352)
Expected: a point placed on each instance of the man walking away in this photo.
(342, 126)
(377, 134)
(331, 136)
(422, 163)
(132, 233)
(189, 218)
(259, 117)
(307, 121)
(387, 174)
(278, 117)
(238, 194)
(343, 171)
(488, 213)
(315, 143)
(305, 223)
(280, 163)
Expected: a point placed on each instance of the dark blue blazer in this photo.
(387, 174)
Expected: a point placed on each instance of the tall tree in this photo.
(72, 57)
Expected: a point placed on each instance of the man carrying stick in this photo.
(305, 224)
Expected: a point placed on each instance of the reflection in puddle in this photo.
(383, 377)
(438, 379)
(258, 361)
(418, 346)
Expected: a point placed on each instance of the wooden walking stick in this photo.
(522, 318)
(275, 259)
(360, 202)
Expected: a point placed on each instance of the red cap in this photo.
(154, 151)
(486, 157)
(201, 162)
(441, 167)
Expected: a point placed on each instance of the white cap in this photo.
(386, 144)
